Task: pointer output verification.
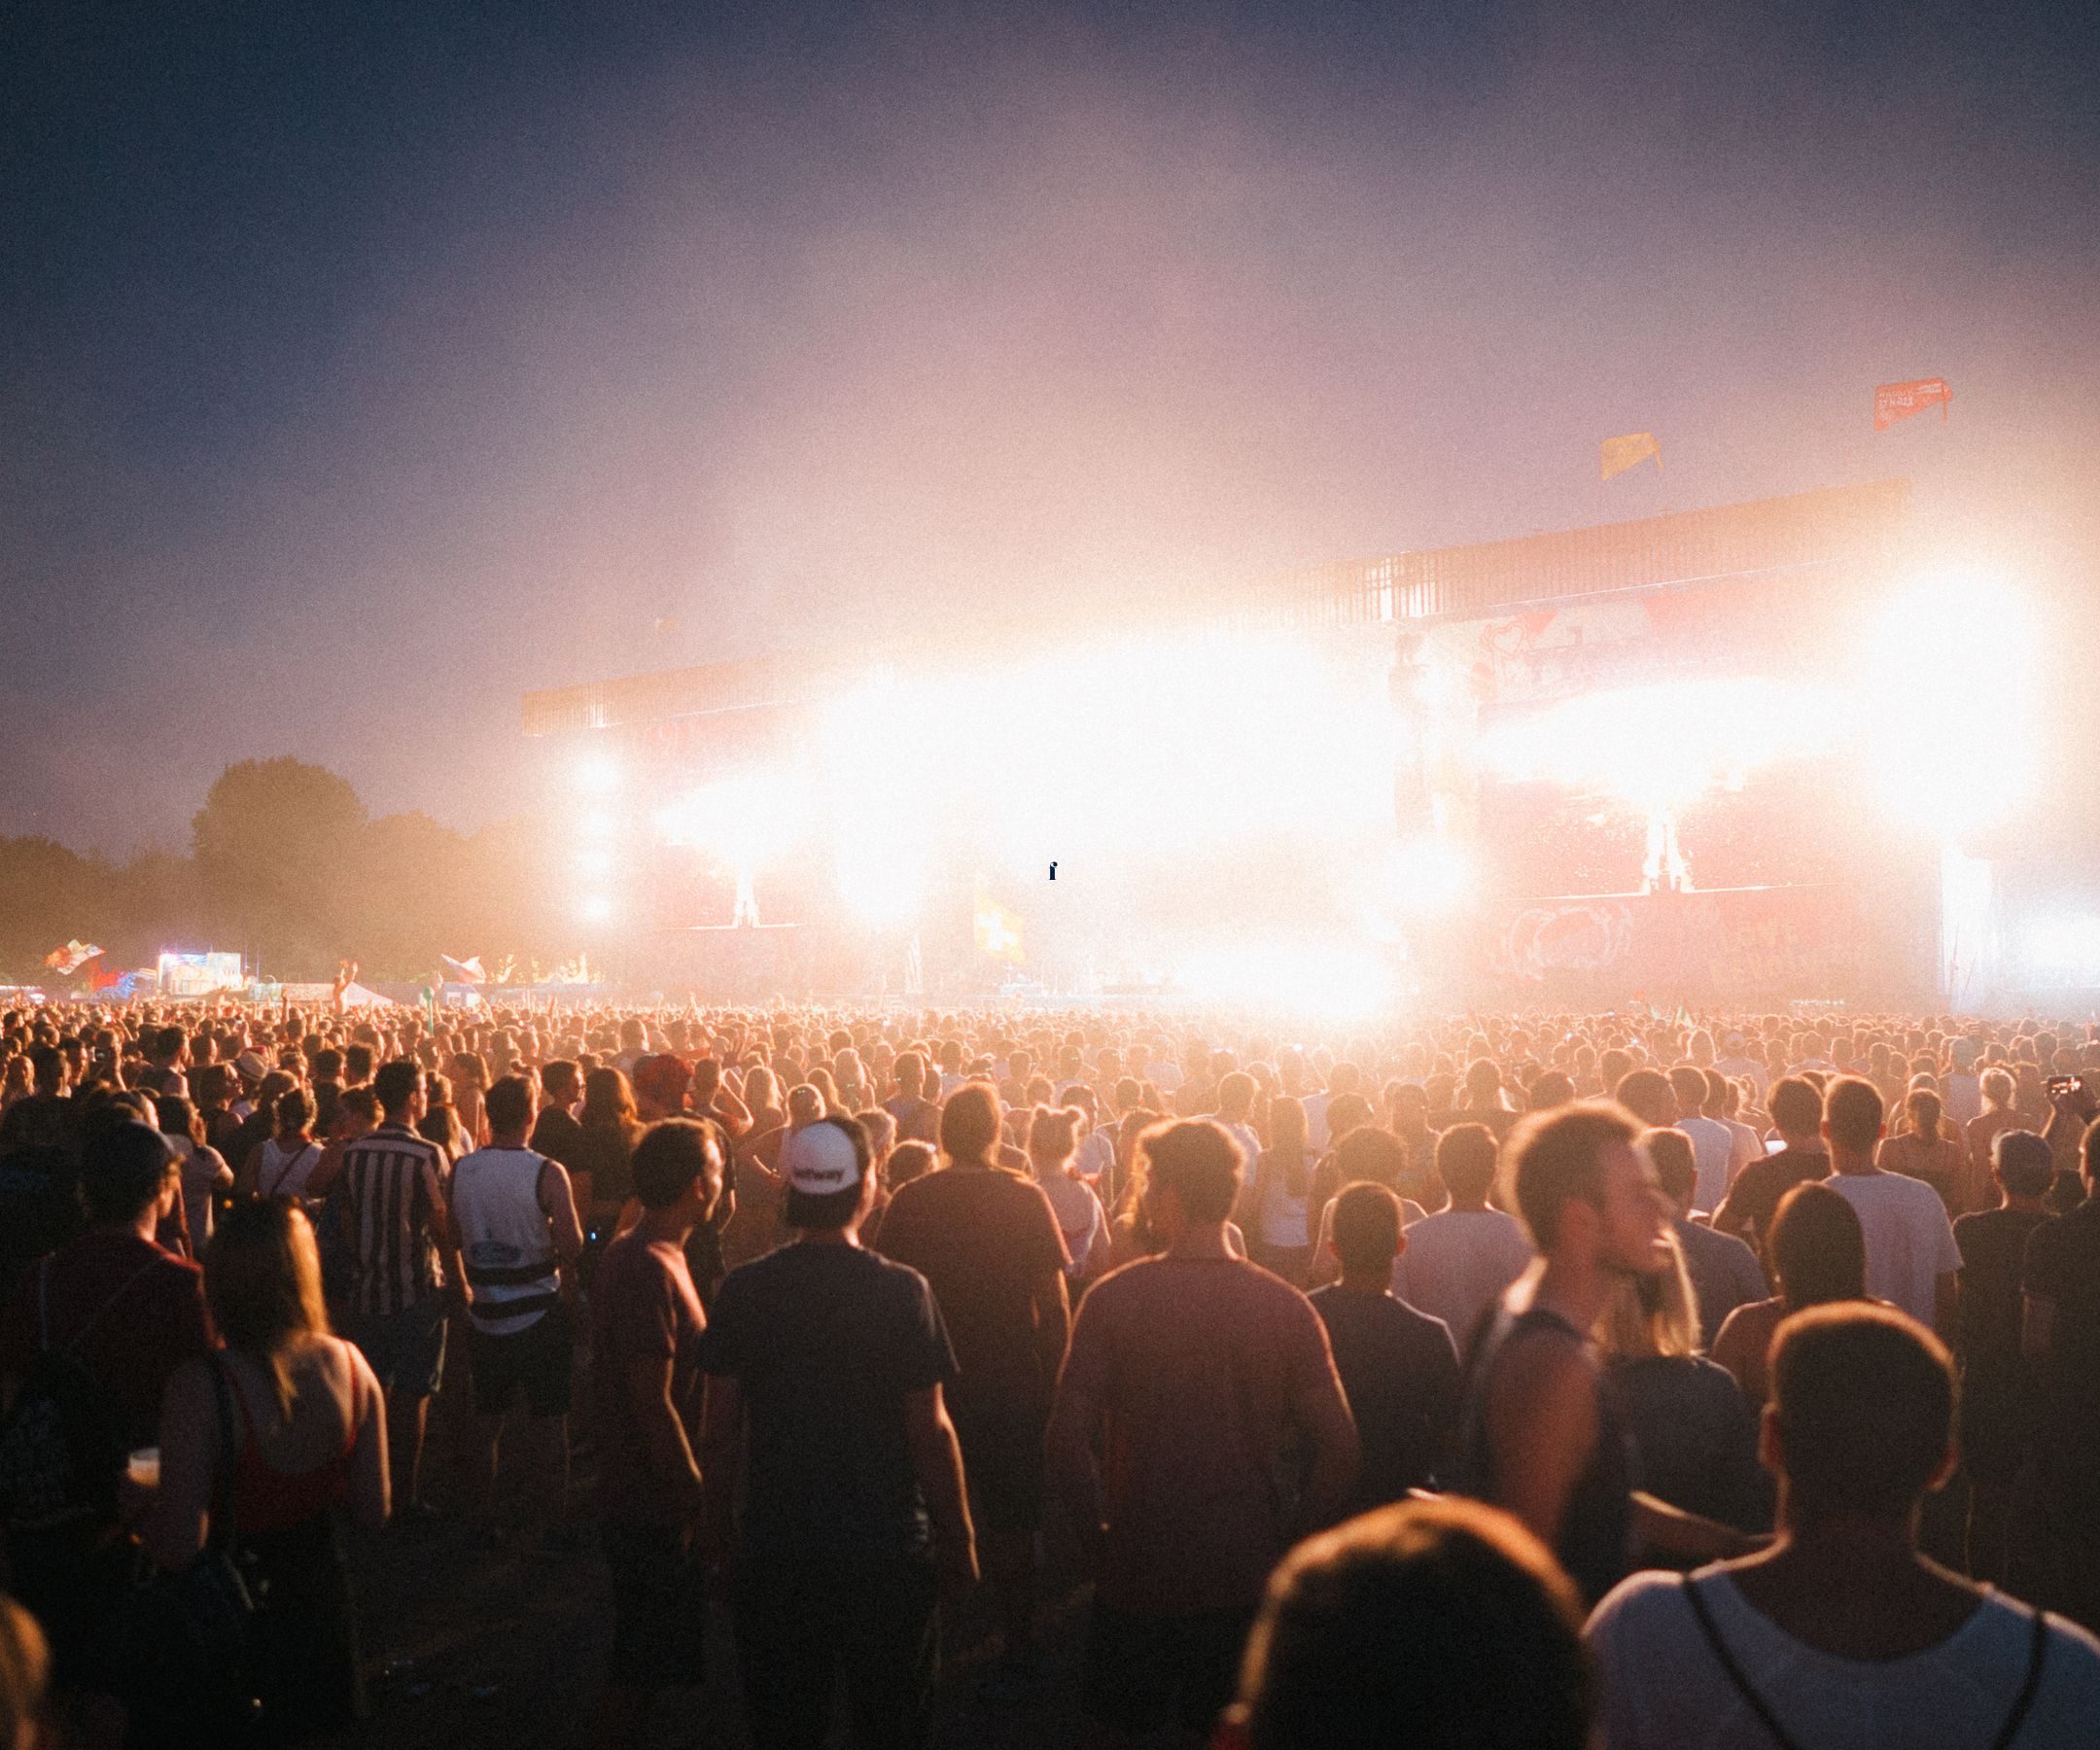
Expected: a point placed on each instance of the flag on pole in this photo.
(999, 932)
(1894, 401)
(69, 960)
(465, 971)
(1622, 453)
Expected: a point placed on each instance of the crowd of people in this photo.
(1487, 1381)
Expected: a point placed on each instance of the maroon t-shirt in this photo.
(644, 1307)
(144, 1333)
(984, 1239)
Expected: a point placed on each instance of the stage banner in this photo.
(1895, 402)
(999, 931)
(1622, 453)
(191, 976)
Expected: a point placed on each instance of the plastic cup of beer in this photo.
(143, 1467)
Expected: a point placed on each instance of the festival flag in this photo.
(465, 971)
(69, 960)
(1894, 401)
(999, 932)
(1622, 453)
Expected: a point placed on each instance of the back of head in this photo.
(124, 1166)
(262, 1278)
(1795, 1105)
(1557, 1157)
(805, 1103)
(1863, 1397)
(1368, 1153)
(1852, 1114)
(1054, 1134)
(970, 1122)
(2023, 1163)
(669, 1156)
(1818, 1247)
(1689, 1083)
(395, 1084)
(1196, 1162)
(510, 1104)
(1647, 1094)
(1366, 1228)
(1676, 1165)
(1465, 1160)
(1490, 1628)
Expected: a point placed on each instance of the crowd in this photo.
(1495, 1380)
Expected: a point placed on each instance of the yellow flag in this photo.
(1623, 453)
(999, 932)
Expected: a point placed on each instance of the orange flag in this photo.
(1899, 400)
(1623, 453)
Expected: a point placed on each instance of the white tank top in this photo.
(284, 1172)
(507, 1244)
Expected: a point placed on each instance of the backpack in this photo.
(63, 1445)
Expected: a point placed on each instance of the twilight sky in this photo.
(362, 367)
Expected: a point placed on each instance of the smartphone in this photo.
(1776, 1146)
(2060, 1085)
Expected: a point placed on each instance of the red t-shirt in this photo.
(1198, 1364)
(644, 1307)
(156, 1322)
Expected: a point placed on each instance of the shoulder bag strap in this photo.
(1727, 1663)
(2037, 1657)
(224, 1532)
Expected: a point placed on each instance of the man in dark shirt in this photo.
(1996, 1392)
(2060, 1330)
(1796, 1114)
(988, 1241)
(1398, 1367)
(556, 1132)
(826, 1365)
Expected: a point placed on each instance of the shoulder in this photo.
(1638, 1609)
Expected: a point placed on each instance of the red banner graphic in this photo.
(1895, 402)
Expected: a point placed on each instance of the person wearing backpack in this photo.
(86, 1346)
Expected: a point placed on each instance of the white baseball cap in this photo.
(820, 1160)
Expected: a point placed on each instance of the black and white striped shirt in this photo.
(395, 1181)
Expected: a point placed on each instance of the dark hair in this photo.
(124, 1166)
(1676, 1167)
(1375, 1155)
(1196, 1160)
(1557, 1156)
(1491, 1626)
(1795, 1105)
(395, 1084)
(1366, 1226)
(820, 1212)
(970, 1123)
(1853, 1111)
(1648, 1095)
(1552, 1088)
(1465, 1160)
(1863, 1399)
(561, 1080)
(1818, 1248)
(672, 1153)
(292, 1110)
(608, 1100)
(1688, 1081)
(908, 1160)
(2023, 1163)
(509, 1104)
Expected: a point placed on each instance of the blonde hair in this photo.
(262, 1280)
(1651, 1315)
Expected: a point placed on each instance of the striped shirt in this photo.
(395, 1181)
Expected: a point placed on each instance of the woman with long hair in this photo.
(443, 1123)
(1695, 1437)
(469, 1073)
(1273, 1204)
(268, 1442)
(1818, 1254)
(610, 1127)
(1052, 1140)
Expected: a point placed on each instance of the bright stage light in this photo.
(1335, 981)
(748, 821)
(597, 824)
(1428, 876)
(1948, 710)
(596, 908)
(598, 774)
(594, 861)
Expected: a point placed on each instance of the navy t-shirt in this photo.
(1400, 1372)
(826, 1343)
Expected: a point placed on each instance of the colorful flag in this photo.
(1622, 453)
(1895, 402)
(69, 960)
(999, 932)
(465, 971)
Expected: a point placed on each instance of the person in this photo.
(828, 1366)
(646, 1326)
(391, 1181)
(1273, 1215)
(556, 1133)
(25, 1679)
(1193, 1366)
(1819, 1255)
(1396, 1364)
(1713, 1144)
(514, 1228)
(1930, 1147)
(988, 1242)
(1796, 1114)
(1053, 1138)
(282, 1164)
(1999, 1113)
(1693, 1437)
(1491, 1626)
(2060, 1336)
(918, 1118)
(1366, 1154)
(205, 1174)
(40, 1207)
(1912, 1258)
(1997, 1395)
(1540, 1435)
(1725, 1271)
(112, 1304)
(1842, 1632)
(606, 1135)
(281, 1429)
